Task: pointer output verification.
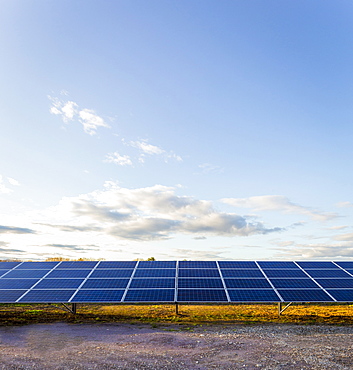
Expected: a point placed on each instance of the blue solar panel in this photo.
(98, 296)
(69, 274)
(10, 296)
(17, 283)
(327, 273)
(157, 264)
(316, 265)
(277, 264)
(150, 295)
(105, 283)
(200, 283)
(8, 265)
(152, 283)
(198, 273)
(111, 273)
(36, 265)
(117, 265)
(253, 295)
(148, 273)
(345, 264)
(2, 272)
(294, 283)
(59, 284)
(277, 273)
(202, 295)
(247, 283)
(47, 296)
(237, 265)
(239, 273)
(304, 295)
(342, 295)
(26, 274)
(197, 265)
(335, 283)
(77, 264)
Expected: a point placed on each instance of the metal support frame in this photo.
(176, 309)
(280, 309)
(72, 310)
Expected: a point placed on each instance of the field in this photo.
(19, 314)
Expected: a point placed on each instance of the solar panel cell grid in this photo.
(152, 283)
(327, 273)
(68, 274)
(77, 264)
(304, 295)
(8, 265)
(198, 273)
(247, 283)
(316, 265)
(59, 284)
(111, 273)
(242, 273)
(105, 284)
(294, 283)
(37, 265)
(343, 264)
(98, 296)
(117, 265)
(202, 295)
(200, 283)
(147, 273)
(150, 295)
(26, 274)
(253, 295)
(336, 283)
(10, 296)
(342, 295)
(17, 283)
(198, 265)
(237, 265)
(48, 296)
(278, 264)
(156, 264)
(279, 273)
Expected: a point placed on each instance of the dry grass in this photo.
(19, 314)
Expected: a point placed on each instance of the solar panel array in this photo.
(172, 281)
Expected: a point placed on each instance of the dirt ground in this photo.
(142, 346)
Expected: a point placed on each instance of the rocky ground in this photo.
(141, 346)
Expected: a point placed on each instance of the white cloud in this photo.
(70, 111)
(151, 213)
(278, 203)
(121, 160)
(344, 204)
(3, 188)
(13, 181)
(148, 149)
(344, 237)
(6, 183)
(210, 168)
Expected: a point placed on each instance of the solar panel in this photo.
(327, 273)
(68, 274)
(10, 296)
(36, 265)
(26, 274)
(147, 273)
(8, 265)
(344, 264)
(77, 264)
(304, 295)
(59, 283)
(202, 295)
(277, 264)
(98, 296)
(316, 265)
(336, 283)
(152, 283)
(294, 283)
(17, 283)
(2, 272)
(247, 283)
(105, 283)
(240, 273)
(48, 296)
(157, 264)
(198, 273)
(198, 265)
(200, 283)
(111, 273)
(117, 265)
(279, 273)
(150, 295)
(253, 295)
(237, 265)
(342, 295)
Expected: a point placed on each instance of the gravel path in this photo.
(126, 346)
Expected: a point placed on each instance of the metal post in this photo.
(74, 308)
(279, 308)
(176, 309)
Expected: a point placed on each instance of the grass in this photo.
(189, 315)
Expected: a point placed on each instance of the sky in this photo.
(199, 130)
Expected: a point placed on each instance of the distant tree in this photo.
(151, 259)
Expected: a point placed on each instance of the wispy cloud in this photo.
(147, 149)
(116, 158)
(153, 213)
(344, 204)
(6, 183)
(278, 203)
(210, 168)
(70, 111)
(15, 230)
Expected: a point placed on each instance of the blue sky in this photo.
(176, 129)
